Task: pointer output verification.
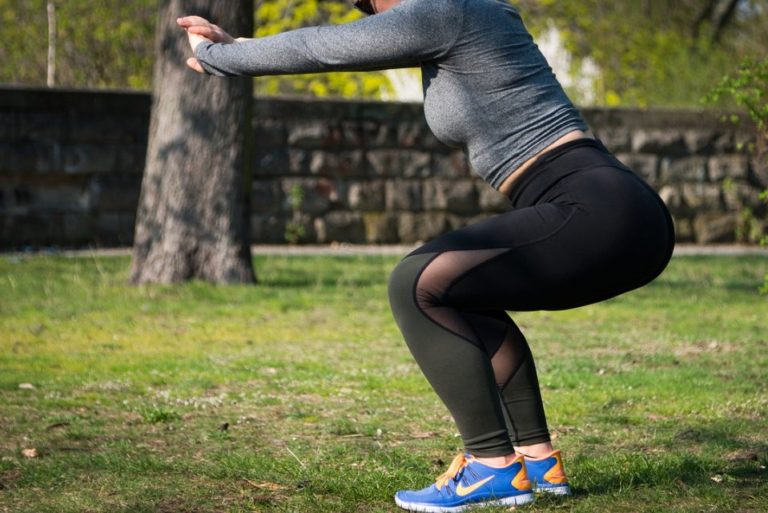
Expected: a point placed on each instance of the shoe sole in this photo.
(516, 500)
(553, 490)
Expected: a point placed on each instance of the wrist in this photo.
(195, 41)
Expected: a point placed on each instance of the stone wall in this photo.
(71, 164)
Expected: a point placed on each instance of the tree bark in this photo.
(704, 16)
(718, 14)
(193, 216)
(724, 19)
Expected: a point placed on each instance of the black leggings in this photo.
(582, 228)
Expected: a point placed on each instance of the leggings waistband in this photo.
(544, 174)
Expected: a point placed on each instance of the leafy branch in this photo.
(748, 87)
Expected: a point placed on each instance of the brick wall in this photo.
(71, 165)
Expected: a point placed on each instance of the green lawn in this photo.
(298, 394)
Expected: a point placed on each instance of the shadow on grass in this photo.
(326, 271)
(307, 280)
(666, 474)
(720, 459)
(691, 285)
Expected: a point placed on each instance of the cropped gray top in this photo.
(487, 87)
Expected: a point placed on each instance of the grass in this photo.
(299, 395)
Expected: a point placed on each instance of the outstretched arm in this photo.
(403, 36)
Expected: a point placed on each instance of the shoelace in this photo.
(457, 465)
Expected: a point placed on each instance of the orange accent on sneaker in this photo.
(458, 463)
(556, 475)
(521, 481)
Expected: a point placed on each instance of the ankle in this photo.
(497, 461)
(535, 451)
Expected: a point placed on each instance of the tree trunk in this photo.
(725, 19)
(704, 16)
(192, 219)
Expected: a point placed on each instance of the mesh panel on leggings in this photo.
(503, 341)
(514, 373)
(506, 360)
(435, 280)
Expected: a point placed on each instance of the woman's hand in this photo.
(200, 30)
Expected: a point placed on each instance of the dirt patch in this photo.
(8, 479)
(663, 349)
(176, 505)
(704, 347)
(742, 456)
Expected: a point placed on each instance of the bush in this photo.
(748, 87)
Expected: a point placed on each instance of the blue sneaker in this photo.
(547, 474)
(468, 483)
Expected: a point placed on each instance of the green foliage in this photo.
(749, 228)
(661, 53)
(275, 16)
(294, 229)
(649, 53)
(98, 44)
(748, 87)
(23, 52)
(110, 45)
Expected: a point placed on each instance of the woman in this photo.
(584, 227)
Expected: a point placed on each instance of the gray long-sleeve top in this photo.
(487, 87)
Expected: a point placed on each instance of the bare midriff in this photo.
(507, 184)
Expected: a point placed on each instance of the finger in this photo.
(189, 21)
(195, 65)
(203, 31)
(215, 34)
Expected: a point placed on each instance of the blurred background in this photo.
(663, 53)
(676, 89)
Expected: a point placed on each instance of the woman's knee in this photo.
(403, 281)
